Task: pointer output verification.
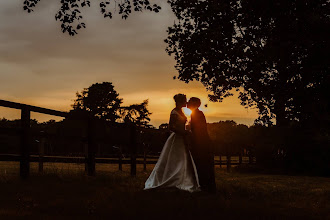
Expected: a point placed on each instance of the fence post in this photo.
(250, 158)
(220, 161)
(144, 159)
(133, 148)
(120, 160)
(41, 154)
(228, 163)
(85, 146)
(25, 143)
(240, 158)
(98, 153)
(91, 148)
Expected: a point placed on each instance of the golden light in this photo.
(186, 111)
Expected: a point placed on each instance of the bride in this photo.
(175, 166)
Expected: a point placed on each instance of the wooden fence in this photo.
(25, 158)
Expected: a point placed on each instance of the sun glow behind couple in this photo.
(186, 111)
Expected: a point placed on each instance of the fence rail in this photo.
(32, 108)
(115, 160)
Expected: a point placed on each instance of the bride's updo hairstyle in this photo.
(179, 98)
(194, 101)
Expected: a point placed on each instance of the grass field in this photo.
(64, 192)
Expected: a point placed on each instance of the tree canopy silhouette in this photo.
(137, 114)
(71, 17)
(274, 52)
(101, 100)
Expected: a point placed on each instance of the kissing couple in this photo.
(187, 159)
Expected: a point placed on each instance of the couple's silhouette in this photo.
(187, 160)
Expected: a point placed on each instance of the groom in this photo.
(201, 148)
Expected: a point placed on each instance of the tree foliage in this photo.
(71, 17)
(136, 113)
(275, 53)
(101, 100)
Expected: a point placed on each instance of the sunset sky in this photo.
(39, 65)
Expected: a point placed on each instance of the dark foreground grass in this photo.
(64, 192)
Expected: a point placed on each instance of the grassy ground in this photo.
(64, 192)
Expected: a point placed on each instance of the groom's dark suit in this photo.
(202, 152)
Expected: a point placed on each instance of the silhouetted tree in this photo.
(70, 15)
(100, 100)
(274, 52)
(137, 114)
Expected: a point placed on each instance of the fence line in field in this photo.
(90, 147)
(140, 159)
(24, 132)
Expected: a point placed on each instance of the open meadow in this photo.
(63, 191)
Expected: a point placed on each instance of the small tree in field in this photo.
(100, 100)
(136, 113)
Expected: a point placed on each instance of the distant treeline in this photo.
(69, 137)
(292, 149)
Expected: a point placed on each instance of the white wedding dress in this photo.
(175, 166)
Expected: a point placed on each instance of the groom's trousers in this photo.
(204, 162)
